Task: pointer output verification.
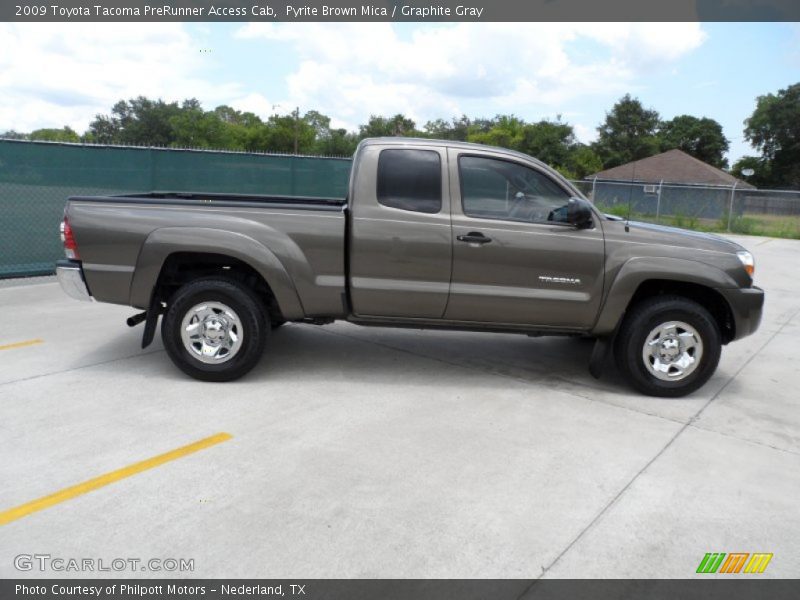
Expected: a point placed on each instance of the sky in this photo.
(56, 74)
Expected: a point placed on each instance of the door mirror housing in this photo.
(579, 214)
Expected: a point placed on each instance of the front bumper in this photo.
(747, 305)
(70, 277)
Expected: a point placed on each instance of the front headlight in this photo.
(747, 262)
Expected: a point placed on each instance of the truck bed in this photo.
(296, 241)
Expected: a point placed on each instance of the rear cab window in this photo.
(410, 180)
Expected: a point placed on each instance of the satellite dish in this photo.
(747, 172)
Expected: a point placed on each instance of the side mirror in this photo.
(579, 214)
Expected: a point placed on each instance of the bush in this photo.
(618, 210)
(745, 225)
(684, 222)
(786, 228)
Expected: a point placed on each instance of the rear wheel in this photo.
(668, 346)
(215, 329)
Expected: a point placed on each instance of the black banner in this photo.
(400, 10)
(747, 587)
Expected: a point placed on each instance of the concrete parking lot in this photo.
(359, 452)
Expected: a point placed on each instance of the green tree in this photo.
(338, 142)
(327, 141)
(396, 126)
(231, 116)
(628, 133)
(65, 134)
(482, 125)
(701, 138)
(193, 127)
(321, 124)
(103, 130)
(456, 129)
(550, 141)
(506, 131)
(283, 133)
(138, 121)
(582, 161)
(238, 126)
(774, 129)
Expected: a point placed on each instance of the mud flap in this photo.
(151, 320)
(600, 352)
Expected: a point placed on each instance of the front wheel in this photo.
(215, 329)
(668, 346)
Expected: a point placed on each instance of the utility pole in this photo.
(658, 200)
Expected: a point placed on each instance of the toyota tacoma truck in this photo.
(432, 234)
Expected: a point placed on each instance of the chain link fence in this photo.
(774, 213)
(37, 177)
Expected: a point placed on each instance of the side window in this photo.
(499, 189)
(410, 180)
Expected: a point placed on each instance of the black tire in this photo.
(643, 318)
(253, 320)
(275, 324)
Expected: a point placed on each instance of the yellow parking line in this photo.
(24, 510)
(22, 344)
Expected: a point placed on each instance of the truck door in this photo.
(515, 259)
(400, 239)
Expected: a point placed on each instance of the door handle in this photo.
(474, 237)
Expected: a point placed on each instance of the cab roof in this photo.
(400, 141)
(403, 141)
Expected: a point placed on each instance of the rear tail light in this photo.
(68, 239)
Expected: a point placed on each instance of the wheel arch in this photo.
(705, 296)
(645, 278)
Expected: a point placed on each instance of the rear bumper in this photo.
(70, 277)
(746, 304)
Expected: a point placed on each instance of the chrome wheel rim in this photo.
(212, 332)
(672, 351)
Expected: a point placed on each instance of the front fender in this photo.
(168, 240)
(640, 269)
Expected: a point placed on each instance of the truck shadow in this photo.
(344, 352)
(126, 344)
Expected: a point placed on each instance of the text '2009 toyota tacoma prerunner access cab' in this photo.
(433, 234)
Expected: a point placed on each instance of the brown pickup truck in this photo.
(432, 234)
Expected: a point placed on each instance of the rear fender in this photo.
(163, 242)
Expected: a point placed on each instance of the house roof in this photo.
(673, 166)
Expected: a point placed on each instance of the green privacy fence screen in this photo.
(37, 177)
